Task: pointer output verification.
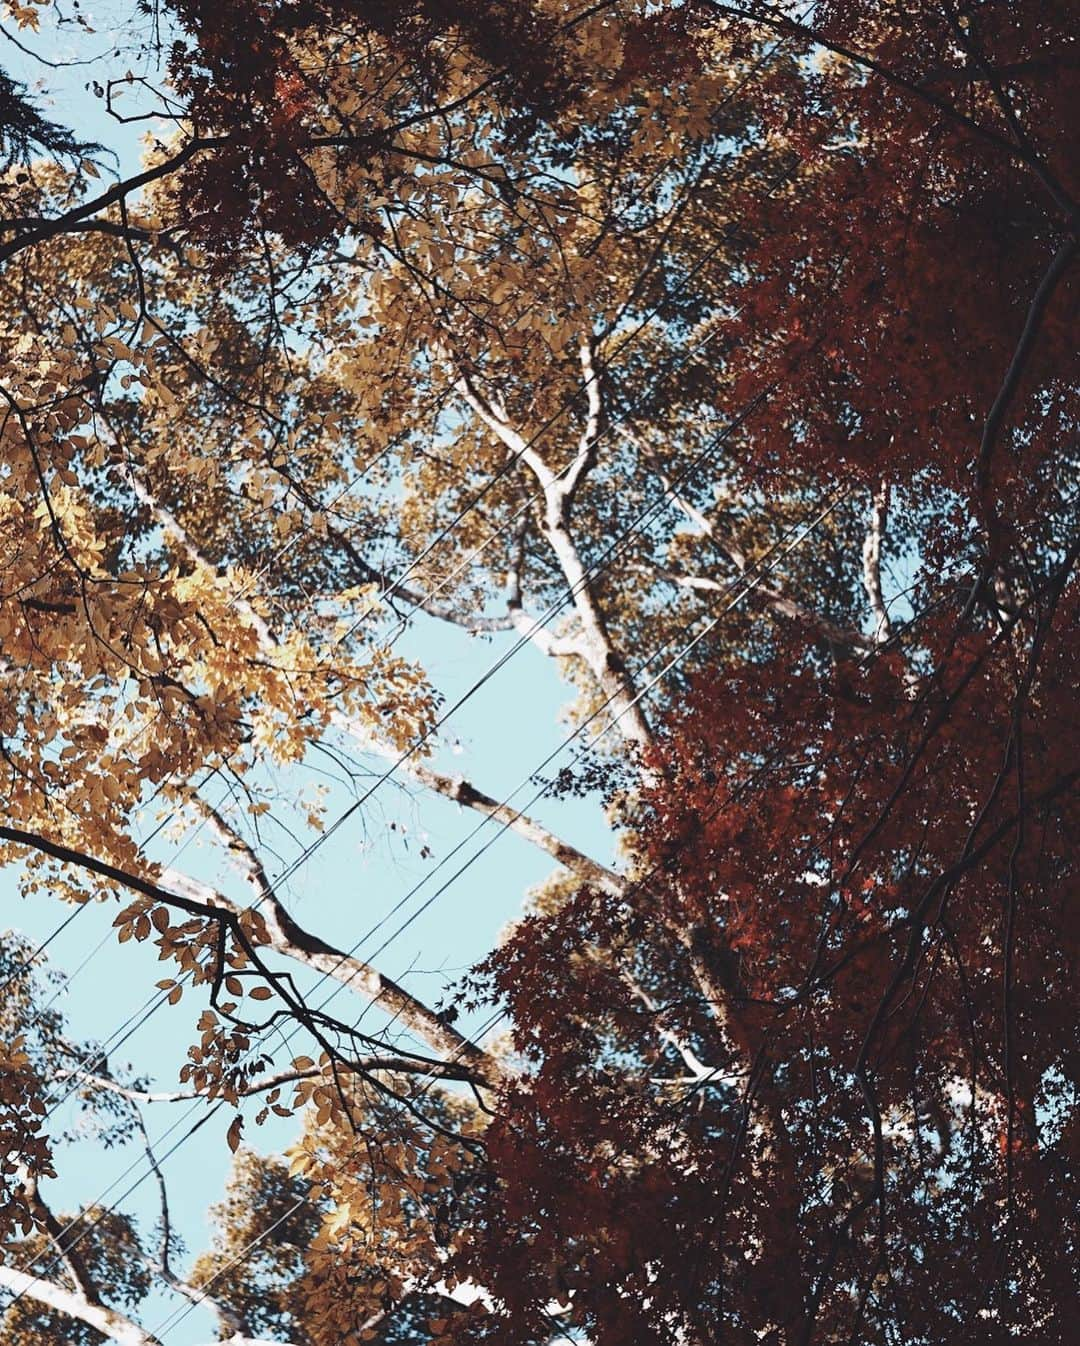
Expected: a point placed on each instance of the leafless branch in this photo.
(843, 638)
(871, 556)
(364, 1065)
(995, 420)
(230, 1324)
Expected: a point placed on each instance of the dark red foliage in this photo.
(260, 76)
(858, 909)
(813, 1078)
(930, 182)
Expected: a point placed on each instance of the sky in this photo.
(348, 886)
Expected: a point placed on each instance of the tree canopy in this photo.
(721, 359)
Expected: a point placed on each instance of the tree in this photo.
(654, 372)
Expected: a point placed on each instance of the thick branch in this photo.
(69, 1253)
(461, 792)
(698, 1072)
(285, 937)
(73, 218)
(839, 636)
(595, 644)
(585, 457)
(291, 939)
(116, 1326)
(110, 1323)
(468, 796)
(875, 535)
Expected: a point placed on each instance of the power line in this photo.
(141, 1016)
(32, 958)
(510, 462)
(150, 1007)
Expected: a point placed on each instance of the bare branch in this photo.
(287, 937)
(500, 426)
(110, 1323)
(398, 1065)
(871, 555)
(116, 1326)
(839, 636)
(69, 1253)
(552, 647)
(594, 645)
(590, 437)
(698, 1072)
(462, 792)
(228, 1322)
(1032, 326)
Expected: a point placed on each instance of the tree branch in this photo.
(68, 1251)
(839, 636)
(116, 1326)
(871, 555)
(995, 420)
(594, 644)
(73, 218)
(398, 1065)
(286, 937)
(461, 791)
(228, 1322)
(588, 444)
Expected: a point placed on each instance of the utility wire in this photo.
(510, 462)
(139, 1017)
